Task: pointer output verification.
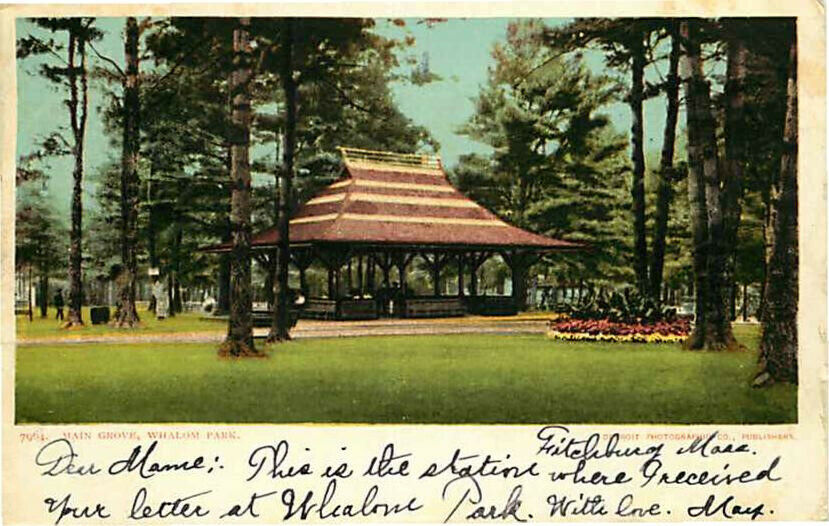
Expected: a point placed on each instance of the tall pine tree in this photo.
(70, 71)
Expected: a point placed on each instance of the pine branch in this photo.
(178, 64)
(109, 60)
(345, 98)
(48, 49)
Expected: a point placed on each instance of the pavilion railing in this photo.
(491, 305)
(412, 160)
(340, 309)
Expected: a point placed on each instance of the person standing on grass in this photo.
(58, 301)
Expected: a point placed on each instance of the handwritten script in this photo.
(557, 473)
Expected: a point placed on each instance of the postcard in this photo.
(416, 263)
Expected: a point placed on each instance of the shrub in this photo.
(627, 306)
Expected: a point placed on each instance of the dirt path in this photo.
(323, 329)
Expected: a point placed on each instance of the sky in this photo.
(458, 51)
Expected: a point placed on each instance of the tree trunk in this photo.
(712, 329)
(766, 252)
(223, 302)
(239, 340)
(178, 305)
(151, 235)
(223, 299)
(519, 266)
(78, 105)
(175, 304)
(640, 247)
(29, 307)
(718, 323)
(696, 187)
(745, 302)
(127, 313)
(666, 177)
(44, 294)
(281, 323)
(778, 344)
(171, 283)
(735, 147)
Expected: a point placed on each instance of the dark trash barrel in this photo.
(99, 315)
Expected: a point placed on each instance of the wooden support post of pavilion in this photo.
(360, 281)
(302, 259)
(436, 262)
(476, 259)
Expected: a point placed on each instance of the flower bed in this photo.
(606, 330)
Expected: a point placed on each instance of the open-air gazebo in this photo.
(386, 210)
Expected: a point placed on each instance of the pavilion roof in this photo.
(403, 200)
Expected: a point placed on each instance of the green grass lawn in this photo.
(49, 327)
(441, 379)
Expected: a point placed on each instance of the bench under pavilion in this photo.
(387, 209)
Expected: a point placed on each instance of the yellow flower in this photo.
(638, 338)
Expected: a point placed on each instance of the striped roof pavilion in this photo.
(404, 200)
